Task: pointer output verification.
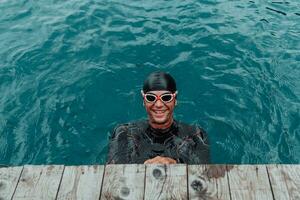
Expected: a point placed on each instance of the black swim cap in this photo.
(159, 81)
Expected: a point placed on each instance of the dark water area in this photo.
(71, 70)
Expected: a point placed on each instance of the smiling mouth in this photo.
(159, 111)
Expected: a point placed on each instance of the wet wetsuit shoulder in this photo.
(192, 131)
(117, 141)
(122, 142)
(194, 147)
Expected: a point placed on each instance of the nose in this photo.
(159, 103)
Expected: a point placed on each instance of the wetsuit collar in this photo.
(161, 135)
(160, 132)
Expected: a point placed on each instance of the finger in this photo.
(161, 160)
(146, 162)
(168, 160)
(158, 159)
(172, 161)
(149, 161)
(155, 159)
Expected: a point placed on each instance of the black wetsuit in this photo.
(137, 142)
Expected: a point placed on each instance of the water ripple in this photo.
(70, 71)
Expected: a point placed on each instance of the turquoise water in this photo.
(70, 71)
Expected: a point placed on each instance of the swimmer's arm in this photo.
(118, 143)
(201, 151)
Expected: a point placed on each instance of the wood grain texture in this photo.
(249, 182)
(9, 177)
(166, 182)
(202, 187)
(39, 182)
(149, 182)
(285, 181)
(81, 182)
(123, 182)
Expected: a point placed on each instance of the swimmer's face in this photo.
(160, 113)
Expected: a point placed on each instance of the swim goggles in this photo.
(152, 98)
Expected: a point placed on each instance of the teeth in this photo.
(159, 111)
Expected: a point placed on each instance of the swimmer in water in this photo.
(160, 139)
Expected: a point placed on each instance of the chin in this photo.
(160, 121)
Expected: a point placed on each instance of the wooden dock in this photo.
(36, 182)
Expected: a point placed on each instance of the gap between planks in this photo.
(265, 181)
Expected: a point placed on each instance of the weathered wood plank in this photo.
(123, 182)
(39, 182)
(9, 177)
(81, 182)
(285, 181)
(166, 182)
(249, 182)
(202, 187)
(162, 182)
